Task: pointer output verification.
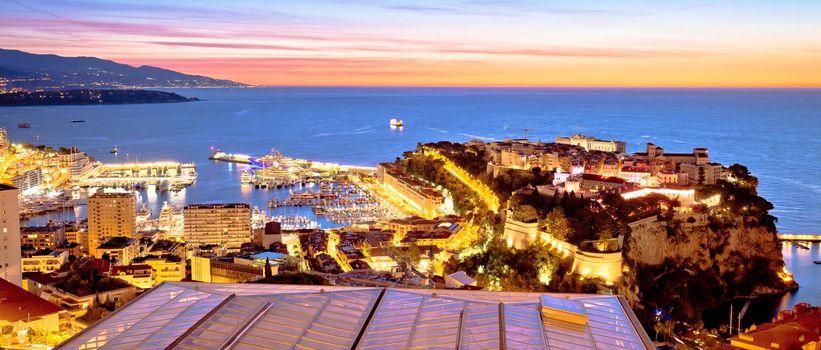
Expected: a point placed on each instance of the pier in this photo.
(800, 237)
(170, 174)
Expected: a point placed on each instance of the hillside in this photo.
(89, 97)
(29, 71)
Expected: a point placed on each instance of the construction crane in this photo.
(526, 131)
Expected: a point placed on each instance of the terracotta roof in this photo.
(17, 304)
(42, 278)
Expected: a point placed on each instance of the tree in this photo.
(525, 213)
(557, 225)
(366, 249)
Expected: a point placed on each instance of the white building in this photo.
(593, 144)
(10, 269)
(78, 164)
(28, 180)
(44, 262)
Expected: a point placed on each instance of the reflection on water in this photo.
(799, 261)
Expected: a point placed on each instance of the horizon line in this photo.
(603, 87)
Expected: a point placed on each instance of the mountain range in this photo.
(28, 71)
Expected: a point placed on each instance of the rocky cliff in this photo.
(690, 264)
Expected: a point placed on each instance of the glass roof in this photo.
(187, 315)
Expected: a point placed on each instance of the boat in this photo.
(817, 262)
(144, 214)
(247, 177)
(802, 245)
(397, 123)
(78, 121)
(115, 149)
(274, 203)
(24, 125)
(230, 157)
(319, 210)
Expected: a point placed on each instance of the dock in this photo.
(162, 174)
(799, 237)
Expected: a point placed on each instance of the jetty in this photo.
(164, 175)
(799, 237)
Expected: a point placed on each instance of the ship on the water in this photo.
(230, 157)
(396, 123)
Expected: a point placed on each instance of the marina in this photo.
(339, 201)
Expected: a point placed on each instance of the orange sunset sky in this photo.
(459, 43)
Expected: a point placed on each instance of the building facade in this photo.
(110, 215)
(119, 249)
(227, 225)
(45, 237)
(44, 261)
(10, 265)
(167, 268)
(593, 144)
(28, 180)
(421, 196)
(78, 163)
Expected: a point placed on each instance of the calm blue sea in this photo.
(776, 133)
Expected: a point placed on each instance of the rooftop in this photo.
(129, 269)
(17, 304)
(218, 206)
(187, 315)
(117, 243)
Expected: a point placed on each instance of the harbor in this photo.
(340, 201)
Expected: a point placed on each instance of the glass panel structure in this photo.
(188, 316)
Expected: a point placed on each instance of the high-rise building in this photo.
(110, 215)
(227, 225)
(10, 268)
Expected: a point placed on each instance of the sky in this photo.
(727, 43)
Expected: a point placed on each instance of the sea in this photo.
(776, 133)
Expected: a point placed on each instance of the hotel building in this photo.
(78, 163)
(110, 215)
(227, 225)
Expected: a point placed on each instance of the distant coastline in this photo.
(89, 97)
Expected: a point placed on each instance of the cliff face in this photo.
(699, 265)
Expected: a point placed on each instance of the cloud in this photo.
(575, 52)
(62, 25)
(230, 45)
